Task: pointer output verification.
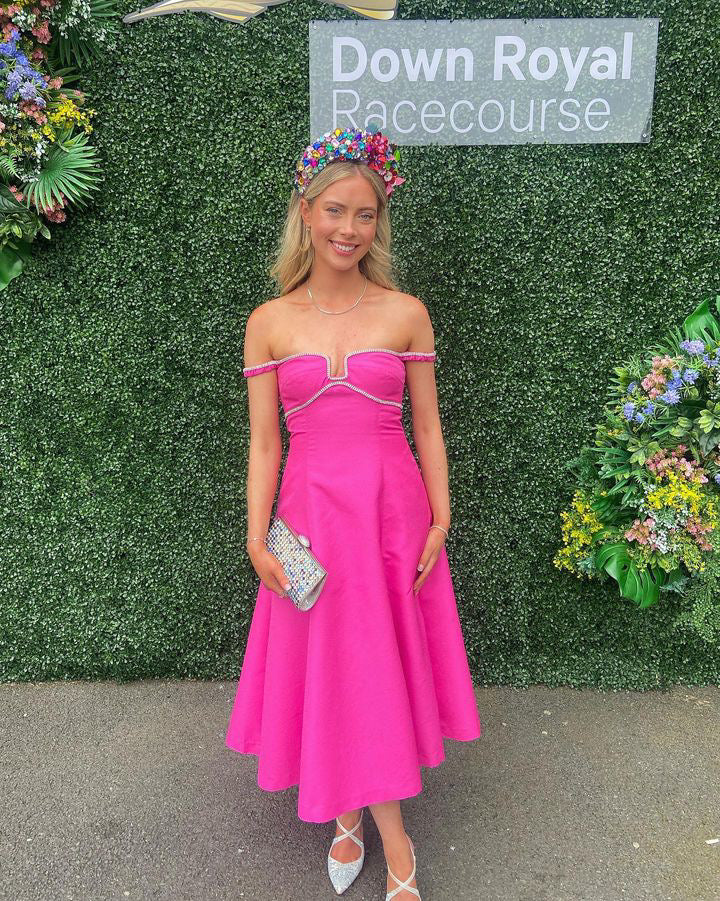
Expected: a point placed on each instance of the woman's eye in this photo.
(336, 210)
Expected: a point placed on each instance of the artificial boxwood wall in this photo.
(123, 407)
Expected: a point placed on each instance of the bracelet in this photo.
(254, 539)
(441, 529)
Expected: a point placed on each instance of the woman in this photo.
(349, 699)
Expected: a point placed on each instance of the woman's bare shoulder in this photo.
(267, 312)
(265, 322)
(409, 301)
(417, 321)
(413, 309)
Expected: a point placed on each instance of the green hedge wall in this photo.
(123, 406)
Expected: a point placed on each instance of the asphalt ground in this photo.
(127, 791)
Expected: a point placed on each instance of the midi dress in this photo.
(349, 699)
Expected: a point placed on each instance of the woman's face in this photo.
(344, 214)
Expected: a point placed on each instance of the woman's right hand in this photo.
(268, 567)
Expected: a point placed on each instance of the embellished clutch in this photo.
(304, 571)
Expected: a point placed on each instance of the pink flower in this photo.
(42, 32)
(58, 216)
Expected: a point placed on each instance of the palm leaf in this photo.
(69, 169)
(8, 169)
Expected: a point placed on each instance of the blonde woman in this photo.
(350, 698)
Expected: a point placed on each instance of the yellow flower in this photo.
(675, 495)
(579, 525)
(67, 113)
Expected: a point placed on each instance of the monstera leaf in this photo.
(640, 586)
(701, 322)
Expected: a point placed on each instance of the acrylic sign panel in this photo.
(485, 81)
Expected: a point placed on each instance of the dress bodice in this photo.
(375, 373)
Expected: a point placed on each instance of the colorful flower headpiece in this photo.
(371, 147)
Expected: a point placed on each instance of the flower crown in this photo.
(371, 147)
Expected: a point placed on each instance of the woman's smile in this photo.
(345, 250)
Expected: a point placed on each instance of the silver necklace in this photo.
(337, 312)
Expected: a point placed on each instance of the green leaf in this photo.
(701, 320)
(640, 586)
(69, 169)
(12, 262)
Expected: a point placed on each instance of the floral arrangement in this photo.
(45, 161)
(646, 501)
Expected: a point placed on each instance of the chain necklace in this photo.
(337, 312)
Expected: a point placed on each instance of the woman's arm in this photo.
(265, 453)
(427, 430)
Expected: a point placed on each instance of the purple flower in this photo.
(628, 410)
(631, 387)
(717, 477)
(693, 347)
(670, 397)
(690, 375)
(27, 90)
(639, 417)
(649, 408)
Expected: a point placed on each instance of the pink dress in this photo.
(349, 699)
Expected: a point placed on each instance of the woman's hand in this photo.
(268, 567)
(433, 545)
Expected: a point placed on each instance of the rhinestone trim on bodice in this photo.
(342, 379)
(380, 400)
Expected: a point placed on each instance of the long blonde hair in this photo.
(294, 257)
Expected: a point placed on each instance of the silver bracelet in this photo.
(441, 529)
(254, 539)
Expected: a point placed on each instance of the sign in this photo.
(485, 81)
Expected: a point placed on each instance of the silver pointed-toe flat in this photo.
(341, 874)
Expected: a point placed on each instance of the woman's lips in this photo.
(344, 253)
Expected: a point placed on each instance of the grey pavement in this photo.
(127, 791)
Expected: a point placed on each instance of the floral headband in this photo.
(371, 147)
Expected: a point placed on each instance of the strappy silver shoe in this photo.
(404, 886)
(343, 874)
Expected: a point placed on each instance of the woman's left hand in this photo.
(433, 545)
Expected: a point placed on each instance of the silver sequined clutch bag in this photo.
(305, 573)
